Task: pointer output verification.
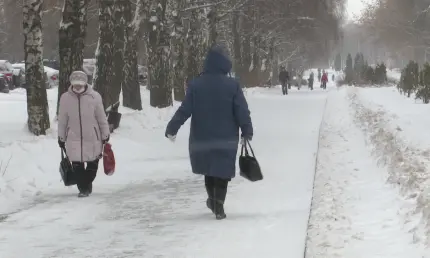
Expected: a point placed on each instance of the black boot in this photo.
(83, 191)
(91, 173)
(219, 199)
(219, 210)
(210, 199)
(83, 194)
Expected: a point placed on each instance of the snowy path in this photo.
(355, 212)
(154, 207)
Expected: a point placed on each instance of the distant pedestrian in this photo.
(311, 81)
(324, 80)
(284, 78)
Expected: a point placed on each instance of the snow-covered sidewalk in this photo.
(355, 212)
(153, 206)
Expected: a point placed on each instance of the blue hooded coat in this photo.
(218, 108)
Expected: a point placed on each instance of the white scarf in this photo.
(78, 91)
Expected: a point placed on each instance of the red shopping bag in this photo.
(108, 159)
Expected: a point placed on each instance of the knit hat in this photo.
(78, 78)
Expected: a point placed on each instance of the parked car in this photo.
(90, 64)
(51, 75)
(19, 75)
(54, 64)
(4, 87)
(7, 70)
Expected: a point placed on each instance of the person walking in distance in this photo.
(283, 79)
(324, 80)
(82, 130)
(311, 81)
(218, 109)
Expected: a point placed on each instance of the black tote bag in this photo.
(249, 167)
(66, 170)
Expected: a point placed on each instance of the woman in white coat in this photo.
(82, 130)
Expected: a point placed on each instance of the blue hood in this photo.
(216, 62)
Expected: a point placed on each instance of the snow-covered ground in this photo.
(398, 127)
(153, 206)
(355, 213)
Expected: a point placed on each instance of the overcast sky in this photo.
(354, 7)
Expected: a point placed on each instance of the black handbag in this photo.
(249, 167)
(66, 170)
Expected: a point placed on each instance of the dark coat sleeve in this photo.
(182, 114)
(242, 114)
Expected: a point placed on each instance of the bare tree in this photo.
(178, 49)
(119, 42)
(37, 103)
(158, 56)
(72, 33)
(399, 27)
(104, 72)
(130, 86)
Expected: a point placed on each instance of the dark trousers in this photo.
(85, 175)
(284, 87)
(216, 188)
(324, 85)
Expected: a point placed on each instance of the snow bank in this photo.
(33, 162)
(354, 212)
(397, 127)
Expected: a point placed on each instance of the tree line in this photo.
(400, 27)
(415, 79)
(359, 72)
(170, 38)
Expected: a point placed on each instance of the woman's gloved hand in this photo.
(243, 139)
(172, 138)
(61, 144)
(106, 141)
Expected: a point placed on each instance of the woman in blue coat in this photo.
(218, 108)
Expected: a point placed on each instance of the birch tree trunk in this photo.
(178, 49)
(130, 87)
(193, 46)
(118, 47)
(72, 35)
(256, 63)
(237, 63)
(212, 20)
(271, 60)
(104, 71)
(158, 56)
(37, 103)
(202, 38)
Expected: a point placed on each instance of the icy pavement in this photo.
(355, 212)
(154, 207)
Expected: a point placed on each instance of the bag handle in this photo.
(245, 147)
(63, 153)
(249, 144)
